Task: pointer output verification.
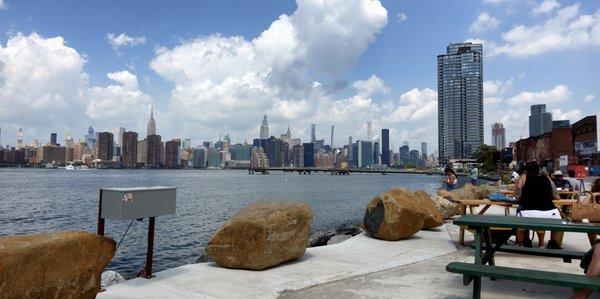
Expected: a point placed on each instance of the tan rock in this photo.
(64, 264)
(262, 235)
(445, 206)
(393, 216)
(434, 216)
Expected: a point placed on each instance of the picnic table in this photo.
(484, 265)
(486, 203)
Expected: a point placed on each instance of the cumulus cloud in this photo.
(483, 23)
(230, 80)
(415, 104)
(41, 79)
(122, 103)
(545, 6)
(572, 115)
(3, 5)
(568, 28)
(370, 86)
(401, 17)
(589, 98)
(557, 94)
(495, 2)
(124, 40)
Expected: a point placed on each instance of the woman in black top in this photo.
(536, 201)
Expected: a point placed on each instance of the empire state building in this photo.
(151, 123)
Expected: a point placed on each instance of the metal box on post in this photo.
(136, 203)
(133, 203)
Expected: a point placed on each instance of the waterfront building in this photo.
(561, 124)
(376, 153)
(69, 143)
(351, 161)
(460, 100)
(259, 159)
(142, 147)
(547, 148)
(20, 138)
(172, 153)
(540, 121)
(498, 136)
(385, 147)
(276, 151)
(313, 135)
(240, 152)
(80, 149)
(324, 160)
(363, 154)
(51, 154)
(91, 138)
(585, 141)
(129, 145)
(199, 157)
(298, 155)
(415, 157)
(308, 154)
(213, 157)
(151, 123)
(225, 154)
(120, 140)
(53, 137)
(153, 151)
(424, 150)
(264, 128)
(105, 146)
(404, 154)
(296, 141)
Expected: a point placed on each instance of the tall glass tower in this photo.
(460, 101)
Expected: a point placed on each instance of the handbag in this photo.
(590, 210)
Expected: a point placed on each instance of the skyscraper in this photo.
(308, 154)
(460, 100)
(331, 140)
(424, 150)
(172, 153)
(53, 139)
(313, 136)
(385, 147)
(498, 136)
(264, 129)
(105, 146)
(153, 151)
(20, 138)
(151, 123)
(129, 149)
(91, 138)
(540, 121)
(369, 132)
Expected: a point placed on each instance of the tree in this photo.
(488, 156)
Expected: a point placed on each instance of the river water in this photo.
(39, 200)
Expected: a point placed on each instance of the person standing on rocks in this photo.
(473, 175)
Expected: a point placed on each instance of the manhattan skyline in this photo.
(91, 70)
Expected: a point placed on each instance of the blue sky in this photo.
(213, 66)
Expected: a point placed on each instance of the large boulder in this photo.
(393, 217)
(64, 264)
(434, 216)
(262, 235)
(445, 206)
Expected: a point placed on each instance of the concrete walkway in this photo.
(320, 265)
(429, 279)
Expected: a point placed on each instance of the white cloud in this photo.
(3, 5)
(124, 40)
(483, 23)
(41, 81)
(557, 94)
(232, 81)
(495, 2)
(567, 29)
(122, 104)
(589, 98)
(572, 115)
(415, 105)
(401, 17)
(545, 6)
(370, 86)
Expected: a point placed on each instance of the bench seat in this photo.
(566, 255)
(576, 281)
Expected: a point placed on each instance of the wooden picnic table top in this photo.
(487, 221)
(478, 202)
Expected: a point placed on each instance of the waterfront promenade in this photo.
(357, 268)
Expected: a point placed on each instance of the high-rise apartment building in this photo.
(151, 123)
(385, 147)
(313, 135)
(264, 129)
(460, 100)
(498, 136)
(424, 150)
(53, 138)
(142, 147)
(105, 146)
(153, 151)
(129, 149)
(172, 153)
(540, 121)
(308, 154)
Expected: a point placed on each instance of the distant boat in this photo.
(82, 167)
(70, 167)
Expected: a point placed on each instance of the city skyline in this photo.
(111, 74)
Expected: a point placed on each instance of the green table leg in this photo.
(478, 260)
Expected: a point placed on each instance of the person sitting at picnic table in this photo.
(451, 179)
(535, 200)
(590, 263)
(573, 181)
(559, 180)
